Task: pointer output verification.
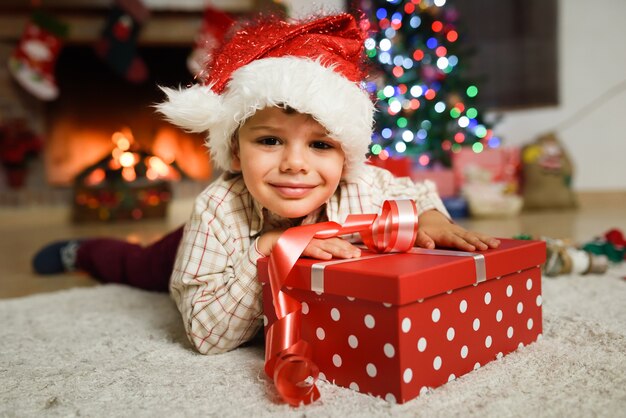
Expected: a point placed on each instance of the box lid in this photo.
(404, 277)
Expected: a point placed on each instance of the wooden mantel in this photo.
(172, 22)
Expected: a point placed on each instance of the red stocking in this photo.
(33, 60)
(118, 44)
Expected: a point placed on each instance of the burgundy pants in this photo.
(117, 261)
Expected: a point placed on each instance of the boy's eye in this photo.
(270, 140)
(322, 145)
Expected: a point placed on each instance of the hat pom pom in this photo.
(194, 109)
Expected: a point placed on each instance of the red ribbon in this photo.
(288, 358)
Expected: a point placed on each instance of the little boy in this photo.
(290, 125)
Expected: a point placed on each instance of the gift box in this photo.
(442, 177)
(394, 325)
(496, 164)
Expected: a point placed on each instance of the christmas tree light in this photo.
(426, 107)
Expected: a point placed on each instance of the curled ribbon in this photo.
(288, 358)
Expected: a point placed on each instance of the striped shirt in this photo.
(214, 281)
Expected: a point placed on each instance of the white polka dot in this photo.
(539, 337)
(498, 278)
(389, 350)
(476, 324)
(509, 332)
(387, 305)
(354, 386)
(371, 370)
(337, 360)
(305, 308)
(450, 334)
(321, 334)
(463, 306)
(487, 298)
(353, 341)
(421, 345)
(369, 321)
(529, 324)
(407, 376)
(520, 308)
(451, 377)
(464, 351)
(488, 341)
(509, 290)
(335, 314)
(406, 325)
(423, 390)
(436, 315)
(322, 376)
(420, 300)
(350, 298)
(265, 320)
(449, 292)
(437, 363)
(529, 284)
(539, 300)
(499, 355)
(477, 366)
(520, 345)
(390, 398)
(499, 315)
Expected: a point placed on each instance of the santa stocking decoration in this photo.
(215, 24)
(33, 60)
(118, 44)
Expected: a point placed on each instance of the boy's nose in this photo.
(294, 159)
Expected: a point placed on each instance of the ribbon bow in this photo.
(288, 358)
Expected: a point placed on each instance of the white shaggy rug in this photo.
(114, 351)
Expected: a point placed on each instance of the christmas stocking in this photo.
(33, 60)
(215, 24)
(118, 44)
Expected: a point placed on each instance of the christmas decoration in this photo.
(215, 24)
(33, 61)
(426, 106)
(547, 174)
(118, 43)
(130, 184)
(18, 146)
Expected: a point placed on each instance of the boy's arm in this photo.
(435, 225)
(435, 229)
(214, 284)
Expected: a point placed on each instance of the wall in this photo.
(592, 58)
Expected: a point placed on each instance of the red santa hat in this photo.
(314, 67)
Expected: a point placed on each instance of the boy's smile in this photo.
(289, 163)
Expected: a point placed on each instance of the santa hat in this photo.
(314, 67)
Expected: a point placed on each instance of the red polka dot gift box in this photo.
(394, 325)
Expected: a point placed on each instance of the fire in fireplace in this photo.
(95, 103)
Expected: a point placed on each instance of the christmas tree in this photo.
(426, 107)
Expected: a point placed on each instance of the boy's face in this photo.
(289, 163)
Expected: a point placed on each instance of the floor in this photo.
(25, 229)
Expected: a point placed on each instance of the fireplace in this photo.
(95, 103)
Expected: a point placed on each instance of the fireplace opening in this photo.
(95, 103)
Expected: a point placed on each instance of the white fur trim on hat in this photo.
(303, 84)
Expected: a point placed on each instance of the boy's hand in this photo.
(435, 230)
(325, 249)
